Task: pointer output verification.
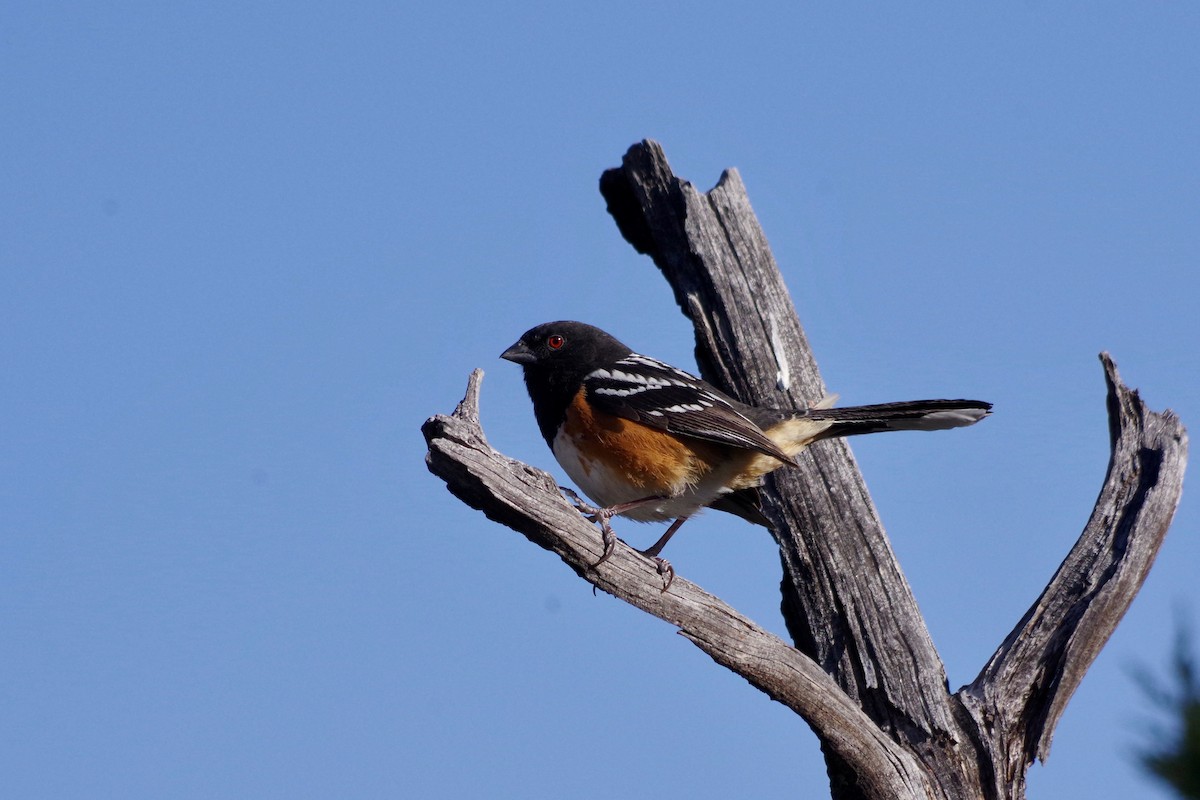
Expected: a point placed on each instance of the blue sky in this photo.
(249, 249)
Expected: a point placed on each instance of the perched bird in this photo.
(651, 442)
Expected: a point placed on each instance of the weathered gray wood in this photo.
(843, 593)
(874, 688)
(1019, 696)
(527, 500)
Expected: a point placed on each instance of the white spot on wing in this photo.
(683, 408)
(646, 361)
(623, 392)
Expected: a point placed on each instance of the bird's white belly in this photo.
(605, 487)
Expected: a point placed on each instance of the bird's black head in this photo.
(557, 356)
(565, 345)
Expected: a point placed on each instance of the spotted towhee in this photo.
(651, 442)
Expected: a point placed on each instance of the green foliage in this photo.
(1175, 755)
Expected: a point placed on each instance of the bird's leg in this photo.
(609, 538)
(595, 514)
(664, 567)
(656, 548)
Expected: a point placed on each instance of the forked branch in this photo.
(864, 672)
(1021, 693)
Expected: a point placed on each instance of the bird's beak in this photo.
(519, 353)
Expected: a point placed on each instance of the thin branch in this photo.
(528, 501)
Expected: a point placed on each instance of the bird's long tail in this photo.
(793, 432)
(913, 415)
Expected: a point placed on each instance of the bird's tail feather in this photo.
(912, 415)
(793, 432)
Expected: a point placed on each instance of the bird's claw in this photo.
(609, 537)
(595, 514)
(666, 571)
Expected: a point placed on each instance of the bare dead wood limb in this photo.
(527, 500)
(864, 673)
(1021, 693)
(845, 600)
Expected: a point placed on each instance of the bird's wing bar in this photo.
(660, 396)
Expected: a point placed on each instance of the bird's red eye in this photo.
(555, 342)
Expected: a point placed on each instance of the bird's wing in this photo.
(645, 390)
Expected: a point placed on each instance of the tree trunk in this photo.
(863, 670)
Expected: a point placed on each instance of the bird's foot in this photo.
(595, 514)
(609, 538)
(664, 569)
